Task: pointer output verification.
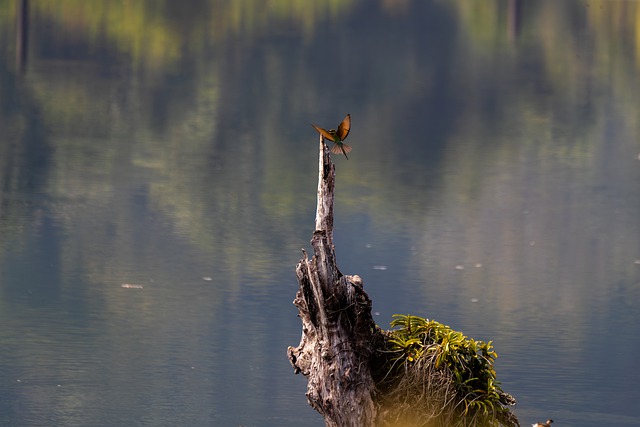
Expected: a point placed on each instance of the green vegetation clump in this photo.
(431, 375)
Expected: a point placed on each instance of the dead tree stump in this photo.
(338, 331)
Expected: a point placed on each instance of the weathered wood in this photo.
(326, 184)
(341, 347)
(337, 327)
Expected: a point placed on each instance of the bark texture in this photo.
(337, 328)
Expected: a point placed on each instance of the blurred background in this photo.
(158, 180)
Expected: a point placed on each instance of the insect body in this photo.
(338, 136)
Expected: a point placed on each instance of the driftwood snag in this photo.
(337, 327)
(421, 373)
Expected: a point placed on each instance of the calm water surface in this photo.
(158, 178)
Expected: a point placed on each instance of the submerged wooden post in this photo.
(337, 327)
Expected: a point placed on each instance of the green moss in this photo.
(430, 374)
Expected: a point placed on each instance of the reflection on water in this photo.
(493, 186)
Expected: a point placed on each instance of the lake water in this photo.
(158, 177)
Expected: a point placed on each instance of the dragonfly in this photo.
(337, 136)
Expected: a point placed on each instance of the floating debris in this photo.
(474, 299)
(207, 278)
(478, 265)
(379, 267)
(130, 286)
(459, 267)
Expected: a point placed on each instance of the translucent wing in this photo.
(345, 126)
(341, 148)
(323, 132)
(336, 149)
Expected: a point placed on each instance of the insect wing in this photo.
(323, 132)
(344, 128)
(340, 148)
